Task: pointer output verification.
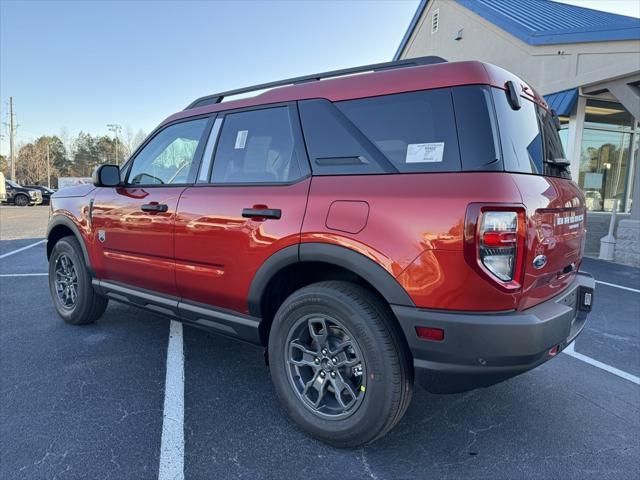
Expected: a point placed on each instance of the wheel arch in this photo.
(61, 226)
(299, 265)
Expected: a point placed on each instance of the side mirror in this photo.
(106, 176)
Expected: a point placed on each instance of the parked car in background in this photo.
(46, 192)
(22, 196)
(416, 221)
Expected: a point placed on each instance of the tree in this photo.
(85, 157)
(4, 165)
(31, 166)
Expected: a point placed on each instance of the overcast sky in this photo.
(82, 65)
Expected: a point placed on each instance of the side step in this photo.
(216, 320)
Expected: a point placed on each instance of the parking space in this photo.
(23, 222)
(87, 402)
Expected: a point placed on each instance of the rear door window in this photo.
(258, 146)
(416, 131)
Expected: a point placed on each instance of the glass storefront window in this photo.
(603, 114)
(604, 162)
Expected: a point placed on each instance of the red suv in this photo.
(413, 218)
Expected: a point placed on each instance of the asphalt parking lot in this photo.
(88, 402)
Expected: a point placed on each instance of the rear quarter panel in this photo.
(414, 230)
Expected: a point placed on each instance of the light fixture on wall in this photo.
(458, 35)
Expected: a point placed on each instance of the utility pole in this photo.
(12, 135)
(115, 128)
(48, 166)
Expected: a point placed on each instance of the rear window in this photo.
(529, 138)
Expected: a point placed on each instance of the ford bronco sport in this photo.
(365, 226)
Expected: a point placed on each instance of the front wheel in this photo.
(73, 295)
(339, 363)
(21, 200)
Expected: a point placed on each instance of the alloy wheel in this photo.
(325, 366)
(66, 281)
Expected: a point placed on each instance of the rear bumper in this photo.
(479, 350)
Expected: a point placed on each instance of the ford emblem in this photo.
(539, 262)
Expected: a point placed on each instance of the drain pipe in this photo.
(608, 242)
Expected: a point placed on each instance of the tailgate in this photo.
(555, 233)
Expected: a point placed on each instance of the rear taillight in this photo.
(498, 242)
(495, 243)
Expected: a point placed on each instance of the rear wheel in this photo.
(73, 295)
(21, 200)
(339, 364)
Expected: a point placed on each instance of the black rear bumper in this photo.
(479, 350)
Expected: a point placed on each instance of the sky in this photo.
(84, 64)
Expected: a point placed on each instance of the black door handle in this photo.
(154, 207)
(262, 213)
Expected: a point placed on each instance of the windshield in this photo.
(12, 184)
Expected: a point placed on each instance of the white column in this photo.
(574, 138)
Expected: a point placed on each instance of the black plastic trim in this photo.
(207, 317)
(332, 254)
(60, 219)
(272, 265)
(363, 266)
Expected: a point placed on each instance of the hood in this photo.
(75, 191)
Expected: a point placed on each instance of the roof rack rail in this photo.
(410, 62)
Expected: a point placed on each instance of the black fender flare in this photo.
(58, 220)
(333, 254)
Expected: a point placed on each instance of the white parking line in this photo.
(13, 252)
(619, 286)
(570, 350)
(172, 443)
(23, 274)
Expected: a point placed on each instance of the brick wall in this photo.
(598, 227)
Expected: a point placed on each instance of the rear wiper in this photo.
(559, 162)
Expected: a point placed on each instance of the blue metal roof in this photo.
(562, 102)
(544, 22)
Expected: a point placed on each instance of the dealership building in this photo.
(586, 63)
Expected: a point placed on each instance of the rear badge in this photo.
(101, 236)
(539, 262)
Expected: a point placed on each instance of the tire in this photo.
(21, 200)
(355, 317)
(86, 306)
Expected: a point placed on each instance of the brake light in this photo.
(495, 243)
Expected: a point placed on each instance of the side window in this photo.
(415, 131)
(477, 130)
(519, 134)
(168, 158)
(257, 146)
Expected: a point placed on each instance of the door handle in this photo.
(154, 207)
(275, 213)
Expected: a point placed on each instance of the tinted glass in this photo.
(415, 131)
(477, 133)
(522, 148)
(334, 145)
(168, 158)
(256, 146)
(556, 163)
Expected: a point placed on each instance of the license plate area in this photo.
(585, 299)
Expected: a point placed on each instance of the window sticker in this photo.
(424, 152)
(241, 139)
